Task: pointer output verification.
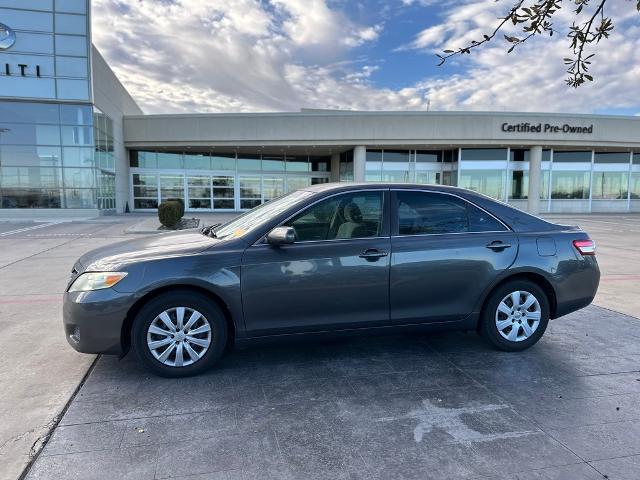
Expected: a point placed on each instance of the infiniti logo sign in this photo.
(7, 37)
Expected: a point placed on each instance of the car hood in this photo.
(112, 256)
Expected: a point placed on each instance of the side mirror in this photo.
(281, 236)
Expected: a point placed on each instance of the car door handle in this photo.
(498, 245)
(372, 254)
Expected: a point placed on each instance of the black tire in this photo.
(193, 300)
(488, 328)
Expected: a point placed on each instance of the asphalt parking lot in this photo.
(409, 406)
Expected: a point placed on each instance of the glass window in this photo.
(169, 160)
(71, 6)
(197, 161)
(610, 185)
(569, 185)
(421, 213)
(373, 166)
(488, 182)
(80, 198)
(223, 193)
(145, 203)
(143, 159)
(248, 162)
(636, 158)
(353, 215)
(425, 156)
(635, 185)
(250, 192)
(320, 163)
(76, 115)
(273, 187)
(273, 162)
(33, 177)
(71, 45)
(73, 24)
(71, 67)
(346, 166)
(20, 112)
(199, 189)
(223, 161)
(77, 135)
(612, 157)
(428, 177)
(78, 157)
(72, 89)
(519, 187)
(29, 198)
(23, 155)
(298, 163)
(572, 157)
(297, 183)
(171, 186)
(519, 155)
(24, 134)
(484, 154)
(79, 177)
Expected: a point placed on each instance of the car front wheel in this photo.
(515, 316)
(179, 334)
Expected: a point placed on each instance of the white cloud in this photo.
(215, 55)
(254, 55)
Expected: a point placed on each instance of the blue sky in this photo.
(283, 55)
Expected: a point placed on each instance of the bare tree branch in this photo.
(536, 20)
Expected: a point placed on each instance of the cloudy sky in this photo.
(283, 55)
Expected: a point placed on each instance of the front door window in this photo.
(354, 215)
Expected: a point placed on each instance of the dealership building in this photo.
(74, 142)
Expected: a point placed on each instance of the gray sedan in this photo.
(333, 259)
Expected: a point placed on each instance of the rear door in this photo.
(445, 252)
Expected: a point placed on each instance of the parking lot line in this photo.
(26, 229)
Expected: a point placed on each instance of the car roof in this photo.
(345, 186)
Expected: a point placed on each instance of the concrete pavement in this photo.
(40, 373)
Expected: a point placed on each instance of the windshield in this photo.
(257, 216)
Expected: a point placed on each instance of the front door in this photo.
(335, 276)
(445, 253)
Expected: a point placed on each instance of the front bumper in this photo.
(93, 320)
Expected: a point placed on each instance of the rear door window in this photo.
(430, 213)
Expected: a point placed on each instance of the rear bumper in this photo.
(93, 320)
(577, 287)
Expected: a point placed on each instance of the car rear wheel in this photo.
(515, 316)
(179, 334)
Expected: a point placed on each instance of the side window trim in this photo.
(386, 220)
(395, 221)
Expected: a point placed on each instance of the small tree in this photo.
(535, 18)
(169, 214)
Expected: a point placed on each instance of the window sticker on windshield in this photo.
(238, 232)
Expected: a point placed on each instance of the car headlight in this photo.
(96, 281)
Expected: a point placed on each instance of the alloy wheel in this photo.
(518, 316)
(179, 336)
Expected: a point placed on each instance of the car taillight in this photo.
(585, 247)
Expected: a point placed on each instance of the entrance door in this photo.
(199, 192)
(446, 252)
(335, 276)
(171, 186)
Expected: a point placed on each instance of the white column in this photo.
(535, 173)
(359, 163)
(335, 167)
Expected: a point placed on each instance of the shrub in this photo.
(169, 213)
(181, 202)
